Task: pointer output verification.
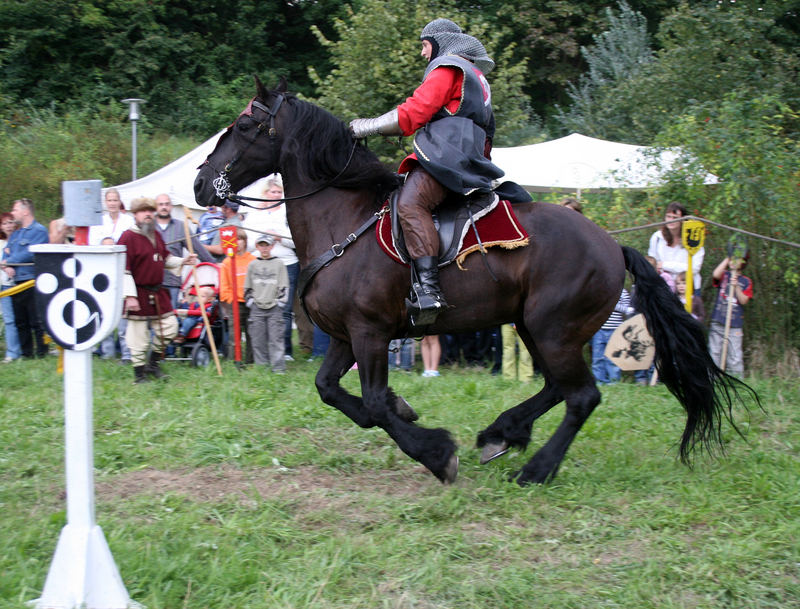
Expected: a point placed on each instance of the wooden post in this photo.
(693, 234)
(188, 235)
(734, 280)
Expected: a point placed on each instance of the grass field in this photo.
(247, 492)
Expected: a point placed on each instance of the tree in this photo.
(183, 57)
(706, 51)
(618, 54)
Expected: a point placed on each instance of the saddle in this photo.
(452, 219)
(463, 225)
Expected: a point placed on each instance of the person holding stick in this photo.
(727, 319)
(147, 303)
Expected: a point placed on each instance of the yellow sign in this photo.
(693, 235)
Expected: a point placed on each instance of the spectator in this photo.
(572, 203)
(115, 220)
(605, 371)
(173, 234)
(431, 350)
(58, 231)
(666, 246)
(7, 226)
(401, 354)
(26, 315)
(698, 310)
(191, 311)
(668, 279)
(210, 220)
(231, 212)
(230, 293)
(271, 220)
(517, 363)
(147, 303)
(726, 273)
(266, 291)
(108, 347)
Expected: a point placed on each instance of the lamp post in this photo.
(133, 116)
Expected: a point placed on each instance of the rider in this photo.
(451, 114)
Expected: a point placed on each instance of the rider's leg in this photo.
(420, 194)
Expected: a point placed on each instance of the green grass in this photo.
(248, 492)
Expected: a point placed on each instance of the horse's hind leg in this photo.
(573, 378)
(338, 360)
(513, 427)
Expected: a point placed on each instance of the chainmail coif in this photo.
(452, 41)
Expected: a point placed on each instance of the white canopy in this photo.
(580, 163)
(177, 179)
(572, 163)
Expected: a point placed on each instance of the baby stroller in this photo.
(196, 347)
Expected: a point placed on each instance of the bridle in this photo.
(222, 184)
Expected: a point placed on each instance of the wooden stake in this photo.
(206, 323)
(734, 280)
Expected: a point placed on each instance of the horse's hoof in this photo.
(491, 451)
(451, 471)
(403, 410)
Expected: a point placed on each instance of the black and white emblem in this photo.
(77, 299)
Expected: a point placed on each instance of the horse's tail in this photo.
(683, 362)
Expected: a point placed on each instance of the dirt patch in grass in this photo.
(309, 486)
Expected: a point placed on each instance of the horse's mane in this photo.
(317, 145)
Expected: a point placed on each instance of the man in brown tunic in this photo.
(147, 304)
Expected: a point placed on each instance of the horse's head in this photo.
(248, 150)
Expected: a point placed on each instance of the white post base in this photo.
(83, 574)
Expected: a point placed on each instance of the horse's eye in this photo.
(243, 125)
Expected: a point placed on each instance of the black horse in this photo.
(558, 291)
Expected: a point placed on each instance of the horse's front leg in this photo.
(338, 360)
(434, 448)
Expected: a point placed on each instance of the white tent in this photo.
(177, 179)
(572, 163)
(578, 163)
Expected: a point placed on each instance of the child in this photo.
(605, 371)
(266, 291)
(667, 277)
(231, 291)
(742, 293)
(698, 310)
(192, 312)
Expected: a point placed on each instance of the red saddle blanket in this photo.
(498, 228)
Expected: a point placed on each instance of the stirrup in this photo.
(423, 316)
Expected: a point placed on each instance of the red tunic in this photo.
(145, 262)
(441, 89)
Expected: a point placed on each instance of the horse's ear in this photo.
(282, 86)
(261, 90)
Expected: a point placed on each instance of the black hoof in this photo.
(493, 450)
(450, 471)
(404, 410)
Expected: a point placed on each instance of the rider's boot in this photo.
(429, 301)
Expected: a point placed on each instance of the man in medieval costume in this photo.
(451, 115)
(147, 302)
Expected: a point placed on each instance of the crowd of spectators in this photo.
(265, 284)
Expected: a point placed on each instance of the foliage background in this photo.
(717, 79)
